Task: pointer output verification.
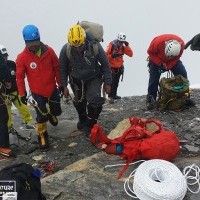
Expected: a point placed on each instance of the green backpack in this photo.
(173, 94)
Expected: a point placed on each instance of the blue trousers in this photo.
(41, 108)
(154, 76)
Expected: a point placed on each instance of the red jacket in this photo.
(117, 62)
(156, 50)
(42, 72)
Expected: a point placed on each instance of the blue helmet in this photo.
(30, 33)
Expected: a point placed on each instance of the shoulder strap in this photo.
(114, 46)
(68, 51)
(96, 49)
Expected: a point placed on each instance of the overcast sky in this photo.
(140, 20)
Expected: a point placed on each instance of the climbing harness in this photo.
(34, 103)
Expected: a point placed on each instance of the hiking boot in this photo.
(189, 103)
(29, 126)
(117, 97)
(53, 120)
(43, 140)
(87, 131)
(81, 124)
(150, 102)
(111, 101)
(6, 152)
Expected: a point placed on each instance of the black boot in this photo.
(82, 114)
(82, 123)
(43, 140)
(150, 102)
(93, 115)
(116, 97)
(53, 120)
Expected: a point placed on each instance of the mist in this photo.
(141, 21)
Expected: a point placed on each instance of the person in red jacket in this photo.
(115, 52)
(164, 55)
(39, 63)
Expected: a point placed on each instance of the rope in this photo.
(159, 179)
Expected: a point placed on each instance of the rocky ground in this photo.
(69, 145)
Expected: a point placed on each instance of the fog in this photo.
(140, 20)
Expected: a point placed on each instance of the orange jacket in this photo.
(42, 72)
(156, 50)
(117, 62)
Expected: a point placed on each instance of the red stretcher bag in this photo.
(144, 139)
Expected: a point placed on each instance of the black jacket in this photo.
(84, 66)
(4, 74)
(12, 72)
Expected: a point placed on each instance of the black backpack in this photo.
(28, 185)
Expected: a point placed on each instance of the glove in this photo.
(61, 90)
(194, 42)
(126, 43)
(24, 99)
(107, 88)
(115, 55)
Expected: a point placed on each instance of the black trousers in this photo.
(4, 137)
(116, 73)
(87, 97)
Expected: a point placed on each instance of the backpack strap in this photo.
(115, 47)
(95, 49)
(68, 51)
(94, 46)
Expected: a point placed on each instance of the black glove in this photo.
(61, 90)
(24, 99)
(115, 55)
(194, 42)
(126, 43)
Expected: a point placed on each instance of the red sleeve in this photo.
(108, 51)
(128, 51)
(55, 62)
(20, 76)
(153, 51)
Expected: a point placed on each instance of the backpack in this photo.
(93, 29)
(173, 93)
(144, 139)
(28, 185)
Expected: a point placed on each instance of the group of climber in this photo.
(85, 66)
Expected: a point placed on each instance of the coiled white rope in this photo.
(161, 180)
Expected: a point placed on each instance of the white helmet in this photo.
(121, 37)
(172, 48)
(3, 50)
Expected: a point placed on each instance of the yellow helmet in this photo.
(76, 35)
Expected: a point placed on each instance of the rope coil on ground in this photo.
(155, 180)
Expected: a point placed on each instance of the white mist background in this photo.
(140, 20)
